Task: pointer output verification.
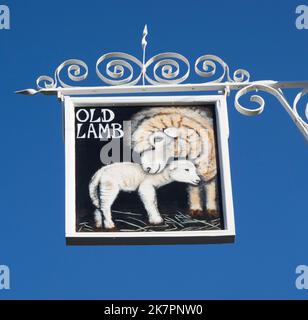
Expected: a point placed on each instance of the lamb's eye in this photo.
(186, 169)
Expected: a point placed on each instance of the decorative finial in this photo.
(144, 45)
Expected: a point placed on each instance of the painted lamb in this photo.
(108, 181)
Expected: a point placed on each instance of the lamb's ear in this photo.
(172, 165)
(172, 132)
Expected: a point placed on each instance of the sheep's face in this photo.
(184, 171)
(163, 148)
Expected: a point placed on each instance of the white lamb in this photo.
(108, 181)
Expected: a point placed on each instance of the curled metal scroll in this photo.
(73, 72)
(298, 97)
(124, 69)
(292, 110)
(170, 68)
(206, 66)
(116, 68)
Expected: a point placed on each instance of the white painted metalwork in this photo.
(166, 72)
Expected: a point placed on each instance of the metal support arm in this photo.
(166, 72)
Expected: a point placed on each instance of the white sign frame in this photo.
(159, 237)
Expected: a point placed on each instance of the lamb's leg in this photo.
(148, 195)
(98, 218)
(108, 192)
(195, 201)
(211, 199)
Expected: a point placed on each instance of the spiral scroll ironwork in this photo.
(116, 64)
(124, 69)
(209, 64)
(73, 72)
(298, 97)
(292, 110)
(169, 65)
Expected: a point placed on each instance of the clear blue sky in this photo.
(268, 154)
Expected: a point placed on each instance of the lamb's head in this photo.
(155, 159)
(183, 171)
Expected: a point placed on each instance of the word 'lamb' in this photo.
(108, 181)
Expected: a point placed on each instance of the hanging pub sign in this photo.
(147, 170)
(153, 169)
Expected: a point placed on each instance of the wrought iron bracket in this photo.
(166, 72)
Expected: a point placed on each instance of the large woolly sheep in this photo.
(108, 181)
(191, 131)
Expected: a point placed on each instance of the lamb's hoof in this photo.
(109, 224)
(157, 221)
(101, 229)
(114, 229)
(196, 213)
(98, 226)
(213, 214)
